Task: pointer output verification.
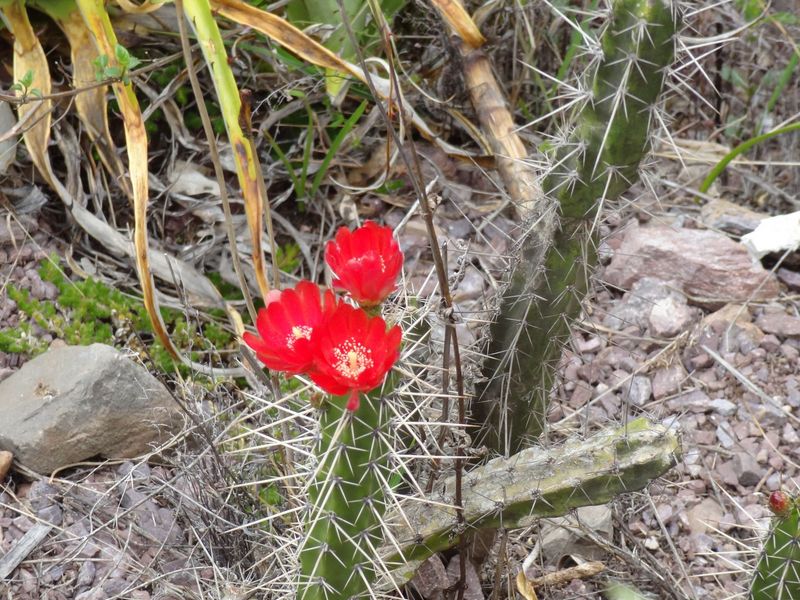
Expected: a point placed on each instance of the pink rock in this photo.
(711, 268)
(790, 278)
(779, 324)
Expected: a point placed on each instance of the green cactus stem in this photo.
(343, 528)
(535, 483)
(777, 575)
(598, 161)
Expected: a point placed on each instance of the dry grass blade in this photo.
(498, 124)
(248, 168)
(90, 101)
(285, 34)
(455, 15)
(30, 67)
(99, 24)
(493, 113)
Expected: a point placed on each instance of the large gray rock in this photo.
(709, 267)
(78, 402)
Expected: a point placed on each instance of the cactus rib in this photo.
(598, 162)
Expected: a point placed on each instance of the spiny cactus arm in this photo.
(535, 483)
(777, 575)
(347, 500)
(612, 129)
(534, 321)
(598, 161)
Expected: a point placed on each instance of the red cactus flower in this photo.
(365, 262)
(353, 352)
(285, 326)
(780, 503)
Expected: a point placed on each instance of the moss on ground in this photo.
(89, 311)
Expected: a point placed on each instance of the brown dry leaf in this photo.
(99, 24)
(29, 57)
(6, 458)
(145, 7)
(457, 17)
(525, 588)
(90, 102)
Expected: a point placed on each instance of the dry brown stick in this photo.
(498, 125)
(27, 544)
(490, 104)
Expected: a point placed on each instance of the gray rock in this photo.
(667, 381)
(750, 472)
(472, 581)
(790, 278)
(639, 390)
(670, 316)
(725, 436)
(730, 217)
(78, 402)
(766, 414)
(86, 574)
(724, 407)
(42, 494)
(710, 268)
(636, 305)
(430, 579)
(732, 329)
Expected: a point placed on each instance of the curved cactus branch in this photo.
(533, 484)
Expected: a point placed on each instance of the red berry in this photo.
(780, 503)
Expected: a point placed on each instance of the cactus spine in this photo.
(598, 162)
(344, 526)
(777, 575)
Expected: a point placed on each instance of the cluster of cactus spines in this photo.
(597, 161)
(777, 575)
(346, 499)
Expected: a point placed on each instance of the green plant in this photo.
(121, 69)
(596, 160)
(88, 311)
(777, 574)
(23, 85)
(347, 499)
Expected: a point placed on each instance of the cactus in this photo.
(598, 162)
(347, 500)
(533, 484)
(777, 575)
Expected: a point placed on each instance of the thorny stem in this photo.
(413, 165)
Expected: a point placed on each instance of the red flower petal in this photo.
(286, 325)
(365, 262)
(353, 351)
